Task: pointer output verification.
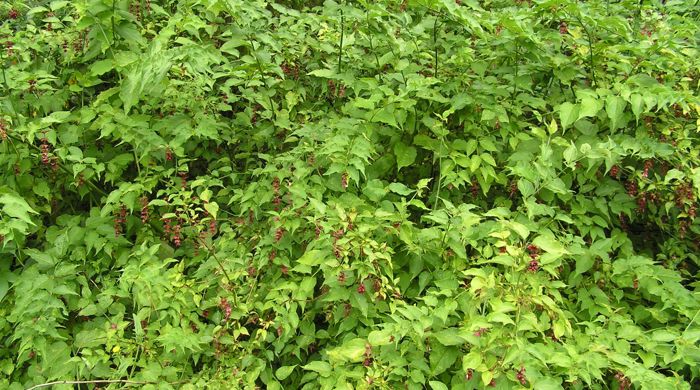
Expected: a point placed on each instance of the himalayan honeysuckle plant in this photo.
(394, 194)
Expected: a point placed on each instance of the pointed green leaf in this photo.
(405, 155)
(568, 114)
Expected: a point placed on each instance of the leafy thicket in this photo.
(367, 194)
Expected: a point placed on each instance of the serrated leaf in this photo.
(16, 207)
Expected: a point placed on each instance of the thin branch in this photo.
(340, 49)
(99, 381)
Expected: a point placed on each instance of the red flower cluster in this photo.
(614, 171)
(226, 307)
(520, 376)
(534, 264)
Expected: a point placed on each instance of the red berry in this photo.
(361, 288)
(470, 374)
(13, 14)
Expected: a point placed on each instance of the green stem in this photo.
(262, 76)
(9, 91)
(590, 50)
(114, 29)
(515, 78)
(435, 45)
(104, 34)
(371, 47)
(340, 49)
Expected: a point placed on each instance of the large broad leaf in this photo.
(442, 358)
(322, 368)
(615, 107)
(16, 207)
(589, 107)
(568, 114)
(405, 155)
(350, 351)
(283, 372)
(550, 245)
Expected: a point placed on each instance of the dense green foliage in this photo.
(363, 194)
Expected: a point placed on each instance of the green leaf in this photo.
(400, 189)
(212, 208)
(324, 369)
(584, 263)
(55, 117)
(615, 107)
(637, 102)
(350, 351)
(380, 337)
(442, 358)
(526, 188)
(568, 114)
(472, 360)
(589, 107)
(405, 155)
(283, 372)
(547, 383)
(550, 245)
(449, 337)
(16, 207)
(5, 276)
(435, 385)
(323, 73)
(101, 67)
